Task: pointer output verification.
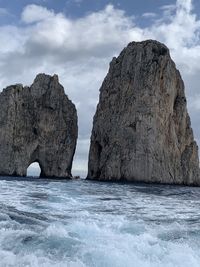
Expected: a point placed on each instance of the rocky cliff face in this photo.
(141, 129)
(37, 124)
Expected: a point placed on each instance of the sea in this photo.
(59, 223)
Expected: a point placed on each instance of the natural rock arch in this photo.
(37, 123)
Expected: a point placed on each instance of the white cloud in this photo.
(80, 50)
(149, 15)
(185, 5)
(168, 7)
(35, 13)
(177, 30)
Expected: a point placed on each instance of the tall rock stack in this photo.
(141, 129)
(37, 124)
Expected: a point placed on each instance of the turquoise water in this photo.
(82, 223)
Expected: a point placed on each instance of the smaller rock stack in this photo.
(37, 124)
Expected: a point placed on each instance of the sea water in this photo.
(82, 223)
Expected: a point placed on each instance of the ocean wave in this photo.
(57, 224)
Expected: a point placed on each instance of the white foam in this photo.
(89, 224)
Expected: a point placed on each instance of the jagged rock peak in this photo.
(37, 124)
(141, 129)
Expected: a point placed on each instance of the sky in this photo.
(77, 39)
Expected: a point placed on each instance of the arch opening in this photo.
(34, 170)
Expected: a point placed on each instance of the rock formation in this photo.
(37, 124)
(141, 129)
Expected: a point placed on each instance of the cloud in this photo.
(149, 15)
(87, 36)
(35, 13)
(4, 12)
(78, 2)
(196, 103)
(80, 49)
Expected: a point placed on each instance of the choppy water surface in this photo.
(80, 223)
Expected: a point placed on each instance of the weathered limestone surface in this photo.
(141, 129)
(37, 124)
